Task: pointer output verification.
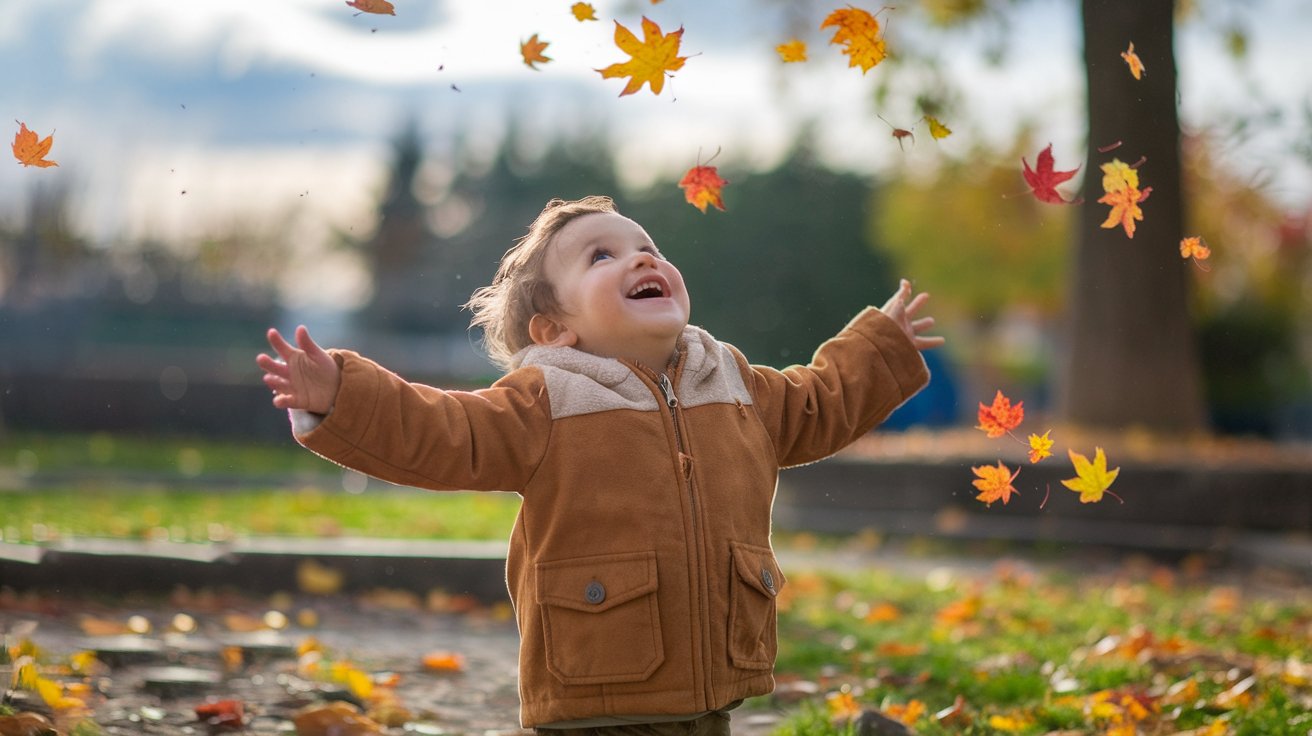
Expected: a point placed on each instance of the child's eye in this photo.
(599, 254)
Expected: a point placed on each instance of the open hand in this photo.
(902, 308)
(306, 377)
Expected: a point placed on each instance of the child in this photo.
(646, 454)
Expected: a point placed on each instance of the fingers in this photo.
(922, 324)
(917, 302)
(307, 343)
(272, 366)
(280, 345)
(925, 343)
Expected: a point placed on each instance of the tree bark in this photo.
(1133, 358)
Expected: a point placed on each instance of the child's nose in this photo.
(644, 260)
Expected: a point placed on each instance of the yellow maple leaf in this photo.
(936, 129)
(913, 711)
(792, 51)
(1121, 184)
(858, 33)
(532, 50)
(652, 57)
(1091, 478)
(1040, 447)
(583, 11)
(29, 150)
(1133, 60)
(842, 706)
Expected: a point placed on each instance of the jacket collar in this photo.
(702, 355)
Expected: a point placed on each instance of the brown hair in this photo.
(520, 288)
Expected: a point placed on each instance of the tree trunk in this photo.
(1133, 355)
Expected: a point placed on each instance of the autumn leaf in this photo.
(1194, 247)
(842, 706)
(381, 7)
(1133, 60)
(1091, 478)
(1121, 184)
(29, 151)
(1043, 178)
(1040, 447)
(936, 129)
(858, 33)
(652, 57)
(1000, 417)
(994, 483)
(532, 50)
(583, 11)
(702, 186)
(792, 51)
(222, 715)
(449, 662)
(913, 711)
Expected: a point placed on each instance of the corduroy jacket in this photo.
(640, 564)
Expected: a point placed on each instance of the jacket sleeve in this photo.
(854, 381)
(411, 434)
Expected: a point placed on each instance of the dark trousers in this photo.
(715, 723)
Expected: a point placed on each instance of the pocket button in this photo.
(767, 579)
(595, 593)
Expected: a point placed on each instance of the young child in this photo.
(646, 454)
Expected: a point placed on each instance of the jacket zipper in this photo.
(672, 402)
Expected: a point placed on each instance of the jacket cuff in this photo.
(895, 348)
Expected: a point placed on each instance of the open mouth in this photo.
(647, 290)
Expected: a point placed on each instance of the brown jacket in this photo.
(640, 564)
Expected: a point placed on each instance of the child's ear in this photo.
(543, 330)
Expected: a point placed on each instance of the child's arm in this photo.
(902, 308)
(306, 378)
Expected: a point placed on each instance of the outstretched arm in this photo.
(902, 308)
(306, 377)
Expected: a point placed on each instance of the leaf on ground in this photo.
(532, 50)
(858, 33)
(379, 7)
(1121, 184)
(1133, 61)
(1043, 178)
(1091, 478)
(1001, 416)
(226, 714)
(337, 718)
(651, 58)
(447, 662)
(792, 51)
(30, 150)
(842, 706)
(701, 186)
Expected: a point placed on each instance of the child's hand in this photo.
(306, 377)
(902, 308)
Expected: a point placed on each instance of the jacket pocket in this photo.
(756, 580)
(600, 619)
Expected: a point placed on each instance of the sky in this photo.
(284, 109)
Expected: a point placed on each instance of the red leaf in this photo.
(1043, 179)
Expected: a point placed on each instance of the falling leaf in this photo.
(858, 34)
(1001, 417)
(936, 129)
(444, 662)
(532, 50)
(792, 51)
(1133, 60)
(1121, 184)
(994, 483)
(1091, 478)
(701, 186)
(899, 133)
(1043, 178)
(583, 11)
(381, 7)
(29, 151)
(1194, 247)
(652, 57)
(1040, 447)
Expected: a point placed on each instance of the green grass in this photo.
(28, 454)
(1032, 654)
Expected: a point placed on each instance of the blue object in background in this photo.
(936, 405)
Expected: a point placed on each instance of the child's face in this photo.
(620, 297)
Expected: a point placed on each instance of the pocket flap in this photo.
(596, 584)
(757, 567)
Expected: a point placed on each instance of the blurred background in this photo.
(225, 167)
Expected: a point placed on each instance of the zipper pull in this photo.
(667, 388)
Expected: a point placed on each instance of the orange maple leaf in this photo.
(994, 483)
(29, 151)
(858, 34)
(655, 55)
(1040, 447)
(532, 50)
(842, 706)
(792, 51)
(1133, 60)
(583, 11)
(1001, 417)
(1091, 478)
(1121, 184)
(702, 186)
(381, 7)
